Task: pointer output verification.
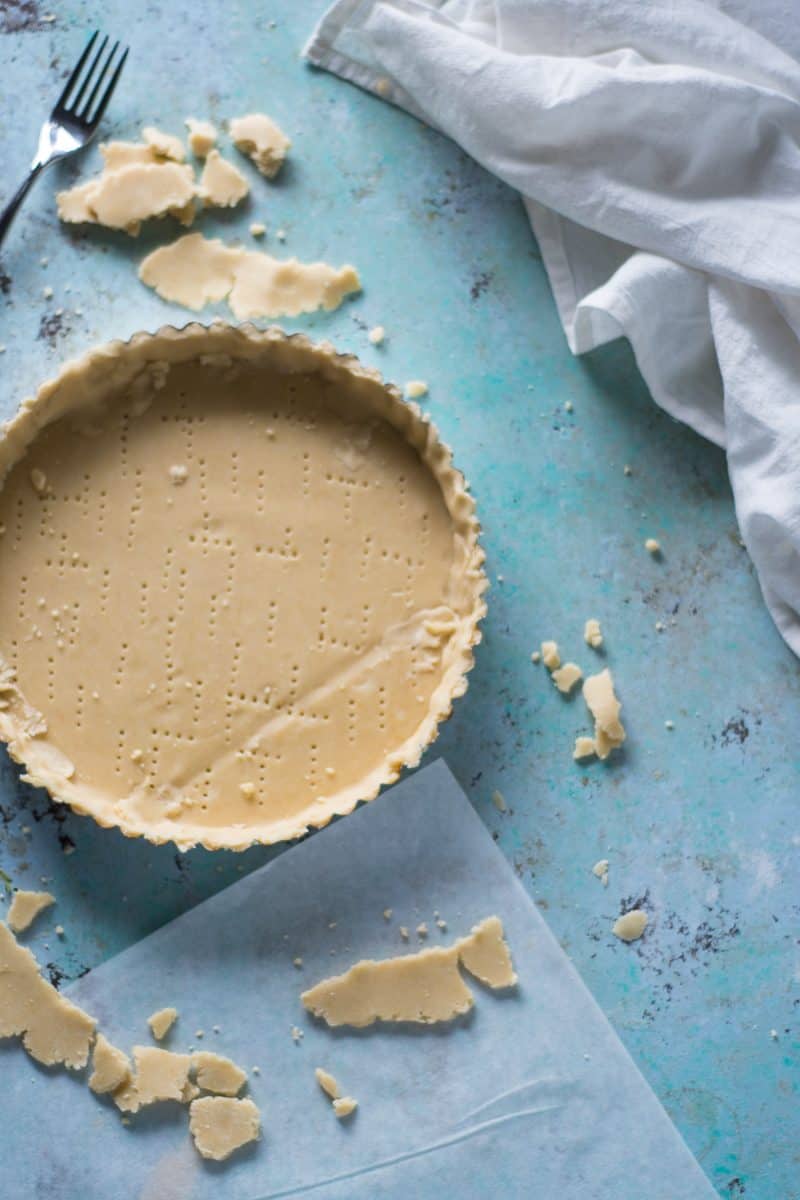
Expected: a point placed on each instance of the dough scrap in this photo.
(343, 1106)
(566, 677)
(631, 925)
(584, 748)
(328, 1083)
(122, 154)
(609, 733)
(220, 1125)
(592, 633)
(25, 908)
(112, 1067)
(257, 136)
(202, 136)
(222, 184)
(132, 193)
(164, 145)
(195, 271)
(162, 1021)
(550, 655)
(53, 1030)
(215, 1073)
(159, 1075)
(423, 988)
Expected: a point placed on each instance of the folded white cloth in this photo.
(657, 148)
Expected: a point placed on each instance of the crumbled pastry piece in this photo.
(609, 733)
(178, 473)
(416, 388)
(122, 154)
(499, 801)
(257, 136)
(111, 1067)
(550, 655)
(162, 1021)
(344, 1106)
(165, 145)
(52, 1029)
(652, 546)
(297, 1035)
(123, 198)
(377, 335)
(248, 790)
(222, 184)
(536, 656)
(258, 229)
(194, 271)
(424, 988)
(592, 634)
(202, 136)
(566, 677)
(159, 1075)
(627, 470)
(219, 1125)
(25, 908)
(584, 748)
(404, 933)
(387, 914)
(328, 1083)
(422, 930)
(39, 481)
(215, 1073)
(669, 725)
(297, 962)
(631, 925)
(600, 869)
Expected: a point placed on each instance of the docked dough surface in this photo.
(242, 656)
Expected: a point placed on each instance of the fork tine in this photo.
(75, 101)
(73, 79)
(109, 92)
(87, 107)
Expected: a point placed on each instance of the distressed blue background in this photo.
(700, 824)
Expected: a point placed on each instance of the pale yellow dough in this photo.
(328, 1083)
(566, 677)
(52, 1029)
(296, 616)
(584, 748)
(162, 1021)
(220, 1125)
(164, 145)
(550, 655)
(262, 140)
(215, 1073)
(631, 925)
(159, 1075)
(25, 908)
(124, 197)
(592, 633)
(344, 1106)
(122, 154)
(609, 733)
(111, 1067)
(202, 136)
(221, 184)
(423, 988)
(195, 271)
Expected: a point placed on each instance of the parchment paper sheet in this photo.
(532, 1095)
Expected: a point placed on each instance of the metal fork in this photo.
(73, 122)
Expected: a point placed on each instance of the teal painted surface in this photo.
(700, 823)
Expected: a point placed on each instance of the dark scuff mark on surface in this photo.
(480, 284)
(735, 1187)
(51, 327)
(735, 730)
(55, 973)
(5, 282)
(21, 16)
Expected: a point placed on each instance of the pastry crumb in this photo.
(377, 335)
(584, 748)
(38, 481)
(422, 930)
(499, 801)
(536, 656)
(627, 470)
(566, 677)
(652, 546)
(343, 1106)
(202, 136)
(404, 933)
(297, 962)
(600, 870)
(258, 136)
(178, 474)
(327, 1082)
(387, 914)
(416, 388)
(550, 655)
(669, 725)
(258, 229)
(296, 1034)
(631, 925)
(609, 732)
(248, 790)
(25, 908)
(592, 633)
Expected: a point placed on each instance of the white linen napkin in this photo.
(657, 149)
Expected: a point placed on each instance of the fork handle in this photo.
(10, 211)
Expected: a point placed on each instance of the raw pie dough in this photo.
(25, 908)
(243, 656)
(220, 1125)
(423, 988)
(262, 140)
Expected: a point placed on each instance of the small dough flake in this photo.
(377, 335)
(162, 1021)
(652, 546)
(416, 389)
(584, 748)
(592, 633)
(631, 925)
(122, 154)
(258, 229)
(222, 185)
(609, 733)
(328, 1083)
(566, 677)
(159, 1075)
(600, 869)
(123, 198)
(111, 1067)
(257, 136)
(39, 481)
(344, 1106)
(195, 271)
(215, 1073)
(219, 1125)
(423, 988)
(53, 1030)
(25, 908)
(202, 136)
(165, 145)
(499, 801)
(550, 655)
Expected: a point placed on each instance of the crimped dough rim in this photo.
(243, 341)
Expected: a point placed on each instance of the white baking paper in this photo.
(532, 1095)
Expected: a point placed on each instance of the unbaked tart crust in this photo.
(240, 585)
